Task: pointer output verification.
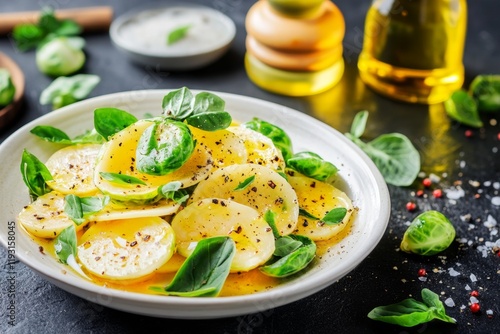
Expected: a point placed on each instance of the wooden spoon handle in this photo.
(90, 18)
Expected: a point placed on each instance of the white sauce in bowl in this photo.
(147, 31)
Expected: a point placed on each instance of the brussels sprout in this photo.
(164, 147)
(429, 233)
(486, 90)
(312, 165)
(276, 134)
(61, 56)
(7, 89)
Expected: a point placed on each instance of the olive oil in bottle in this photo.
(412, 49)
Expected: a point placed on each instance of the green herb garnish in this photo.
(243, 185)
(393, 154)
(121, 178)
(77, 208)
(35, 174)
(177, 34)
(411, 312)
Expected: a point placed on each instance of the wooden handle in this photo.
(90, 18)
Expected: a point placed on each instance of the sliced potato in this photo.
(45, 217)
(221, 217)
(118, 156)
(318, 198)
(128, 249)
(72, 168)
(268, 191)
(260, 149)
(115, 211)
(226, 148)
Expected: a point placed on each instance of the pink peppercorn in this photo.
(437, 193)
(474, 307)
(427, 182)
(411, 206)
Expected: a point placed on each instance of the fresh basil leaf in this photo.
(243, 185)
(66, 90)
(204, 272)
(121, 178)
(177, 104)
(173, 191)
(77, 208)
(359, 124)
(270, 218)
(407, 313)
(55, 135)
(204, 102)
(306, 214)
(177, 34)
(27, 36)
(65, 244)
(73, 208)
(279, 137)
(89, 137)
(210, 120)
(51, 134)
(410, 312)
(164, 147)
(293, 262)
(35, 174)
(108, 121)
(334, 216)
(312, 165)
(463, 108)
(286, 245)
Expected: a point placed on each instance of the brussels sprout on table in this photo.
(7, 88)
(61, 56)
(429, 233)
(486, 91)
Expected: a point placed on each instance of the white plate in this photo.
(362, 182)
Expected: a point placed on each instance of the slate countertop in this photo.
(387, 275)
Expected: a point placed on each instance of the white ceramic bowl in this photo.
(360, 179)
(142, 36)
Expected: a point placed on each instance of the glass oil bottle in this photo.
(412, 49)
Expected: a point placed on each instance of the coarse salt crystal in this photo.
(474, 300)
(422, 278)
(462, 164)
(495, 200)
(455, 193)
(473, 278)
(467, 287)
(490, 222)
(496, 185)
(489, 312)
(453, 272)
(466, 217)
(434, 178)
(494, 232)
(487, 183)
(449, 302)
(475, 184)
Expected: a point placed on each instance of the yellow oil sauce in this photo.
(413, 50)
(236, 284)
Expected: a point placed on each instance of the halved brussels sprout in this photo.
(60, 56)
(7, 89)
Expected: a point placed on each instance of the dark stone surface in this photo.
(387, 275)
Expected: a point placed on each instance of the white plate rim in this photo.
(203, 308)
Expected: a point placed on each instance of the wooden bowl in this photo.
(8, 113)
